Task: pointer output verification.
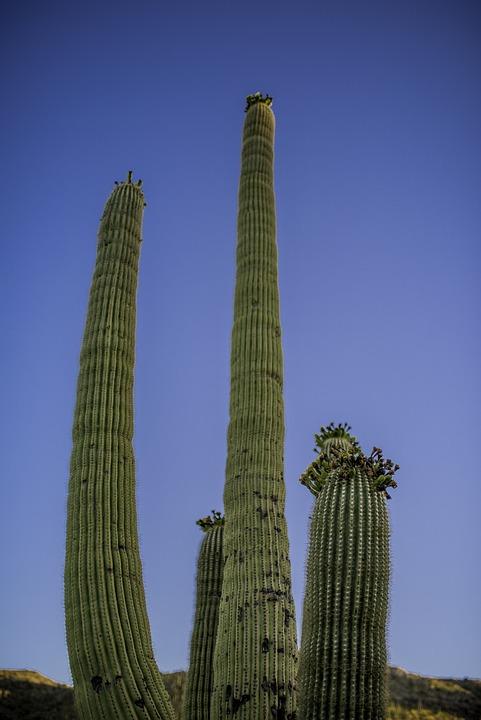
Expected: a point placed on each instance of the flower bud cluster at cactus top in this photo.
(340, 455)
(210, 521)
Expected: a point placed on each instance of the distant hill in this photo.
(28, 695)
(416, 697)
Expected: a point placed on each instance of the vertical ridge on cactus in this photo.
(343, 659)
(255, 659)
(210, 564)
(108, 634)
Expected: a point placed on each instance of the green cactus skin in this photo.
(255, 661)
(343, 659)
(108, 634)
(209, 586)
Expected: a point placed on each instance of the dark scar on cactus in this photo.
(279, 711)
(236, 704)
(233, 703)
(97, 684)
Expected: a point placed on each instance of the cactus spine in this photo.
(343, 650)
(108, 634)
(256, 652)
(209, 585)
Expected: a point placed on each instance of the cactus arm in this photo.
(198, 688)
(108, 634)
(255, 658)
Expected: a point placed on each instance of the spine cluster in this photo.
(108, 634)
(256, 653)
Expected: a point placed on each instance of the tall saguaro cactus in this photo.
(256, 652)
(210, 566)
(108, 634)
(343, 668)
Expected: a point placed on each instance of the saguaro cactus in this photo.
(256, 652)
(343, 650)
(209, 586)
(108, 634)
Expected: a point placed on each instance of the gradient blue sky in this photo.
(378, 178)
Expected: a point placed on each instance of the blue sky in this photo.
(378, 180)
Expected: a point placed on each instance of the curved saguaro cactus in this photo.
(343, 660)
(108, 634)
(256, 653)
(210, 564)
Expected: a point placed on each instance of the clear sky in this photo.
(378, 179)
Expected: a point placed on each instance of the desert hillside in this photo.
(29, 695)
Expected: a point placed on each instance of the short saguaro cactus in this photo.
(343, 661)
(210, 565)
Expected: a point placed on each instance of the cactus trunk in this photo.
(198, 688)
(108, 634)
(343, 663)
(256, 651)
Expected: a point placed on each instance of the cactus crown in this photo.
(331, 435)
(215, 519)
(128, 181)
(258, 98)
(341, 458)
